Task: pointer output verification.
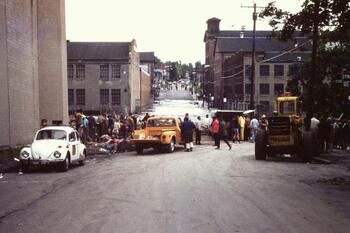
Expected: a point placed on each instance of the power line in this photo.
(266, 60)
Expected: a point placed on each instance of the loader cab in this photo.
(287, 106)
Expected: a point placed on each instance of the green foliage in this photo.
(330, 96)
(179, 70)
(331, 16)
(327, 22)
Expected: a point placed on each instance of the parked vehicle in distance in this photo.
(160, 133)
(59, 145)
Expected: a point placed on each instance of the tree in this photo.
(325, 21)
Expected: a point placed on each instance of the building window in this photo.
(264, 89)
(70, 71)
(264, 70)
(116, 96)
(248, 88)
(80, 95)
(279, 70)
(279, 89)
(104, 72)
(80, 71)
(70, 97)
(265, 106)
(115, 71)
(104, 96)
(248, 71)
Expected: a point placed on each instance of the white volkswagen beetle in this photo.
(59, 145)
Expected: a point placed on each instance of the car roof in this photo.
(65, 128)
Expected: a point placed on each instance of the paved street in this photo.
(206, 190)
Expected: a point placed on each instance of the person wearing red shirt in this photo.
(215, 130)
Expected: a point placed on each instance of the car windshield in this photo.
(161, 122)
(287, 107)
(51, 134)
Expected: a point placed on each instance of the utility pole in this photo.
(312, 81)
(252, 83)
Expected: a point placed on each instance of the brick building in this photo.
(228, 58)
(103, 77)
(33, 84)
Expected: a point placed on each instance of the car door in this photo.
(79, 145)
(73, 146)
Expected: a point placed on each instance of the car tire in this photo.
(260, 145)
(64, 166)
(139, 149)
(171, 146)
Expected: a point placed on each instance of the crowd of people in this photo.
(110, 129)
(239, 128)
(332, 133)
(106, 129)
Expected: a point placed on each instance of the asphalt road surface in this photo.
(206, 190)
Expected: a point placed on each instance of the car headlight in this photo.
(25, 154)
(57, 154)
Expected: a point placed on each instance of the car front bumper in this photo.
(40, 162)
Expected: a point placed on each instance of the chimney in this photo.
(213, 25)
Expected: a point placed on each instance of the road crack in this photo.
(56, 186)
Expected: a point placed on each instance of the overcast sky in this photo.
(173, 29)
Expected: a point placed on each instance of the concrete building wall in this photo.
(20, 22)
(19, 109)
(4, 92)
(92, 85)
(134, 78)
(52, 52)
(145, 89)
(271, 79)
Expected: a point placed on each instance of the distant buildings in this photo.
(33, 61)
(109, 76)
(228, 62)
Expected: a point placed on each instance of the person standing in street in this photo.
(223, 134)
(254, 124)
(264, 124)
(198, 124)
(130, 122)
(215, 127)
(187, 132)
(314, 123)
(207, 124)
(246, 128)
(241, 123)
(235, 129)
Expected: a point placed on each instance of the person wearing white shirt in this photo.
(314, 123)
(207, 121)
(254, 124)
(199, 127)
